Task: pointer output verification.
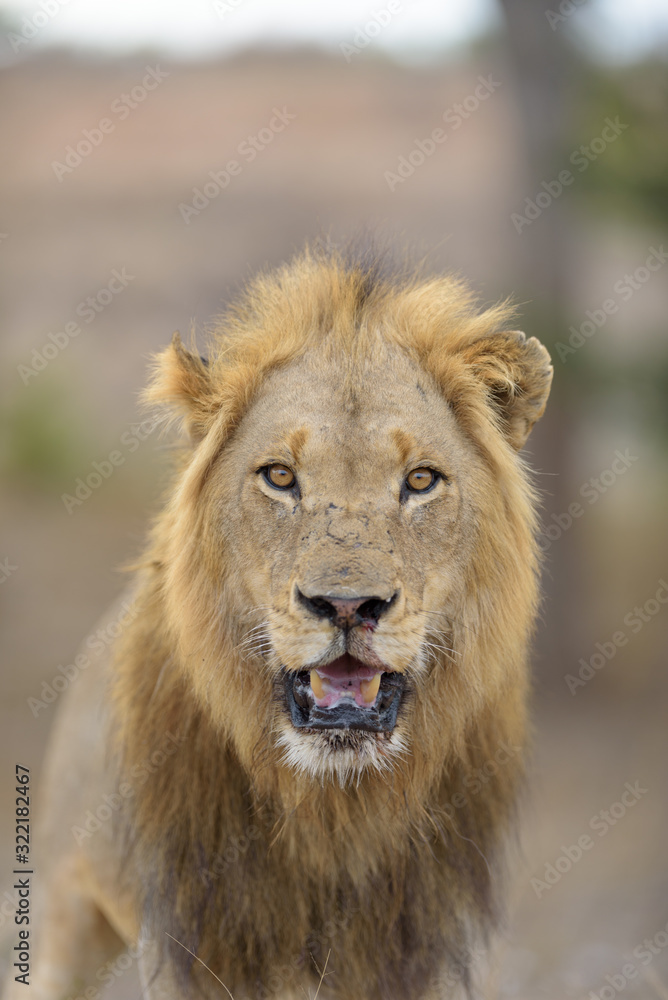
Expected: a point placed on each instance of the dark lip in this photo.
(346, 714)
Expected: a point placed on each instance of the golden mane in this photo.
(420, 847)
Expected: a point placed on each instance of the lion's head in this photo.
(347, 564)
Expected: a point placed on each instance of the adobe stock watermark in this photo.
(475, 782)
(122, 107)
(600, 824)
(458, 972)
(634, 620)
(320, 938)
(582, 158)
(591, 491)
(223, 8)
(644, 954)
(8, 906)
(235, 849)
(6, 569)
(624, 289)
(454, 117)
(112, 970)
(565, 10)
(32, 25)
(96, 642)
(104, 469)
(247, 150)
(326, 245)
(87, 310)
(94, 819)
(366, 33)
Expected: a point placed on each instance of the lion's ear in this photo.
(181, 386)
(518, 375)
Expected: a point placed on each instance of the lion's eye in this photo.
(421, 480)
(279, 476)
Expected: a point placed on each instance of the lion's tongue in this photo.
(345, 677)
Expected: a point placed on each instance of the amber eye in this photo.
(279, 476)
(421, 480)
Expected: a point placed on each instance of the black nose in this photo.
(346, 612)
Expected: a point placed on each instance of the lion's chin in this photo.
(339, 755)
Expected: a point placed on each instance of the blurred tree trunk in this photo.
(542, 65)
(540, 60)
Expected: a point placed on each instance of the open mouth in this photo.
(344, 694)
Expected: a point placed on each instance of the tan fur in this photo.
(385, 853)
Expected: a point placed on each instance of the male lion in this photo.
(298, 770)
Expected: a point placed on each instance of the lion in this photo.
(297, 772)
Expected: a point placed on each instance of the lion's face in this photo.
(351, 501)
(351, 565)
(353, 510)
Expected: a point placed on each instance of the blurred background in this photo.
(154, 155)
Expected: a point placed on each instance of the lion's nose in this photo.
(346, 612)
